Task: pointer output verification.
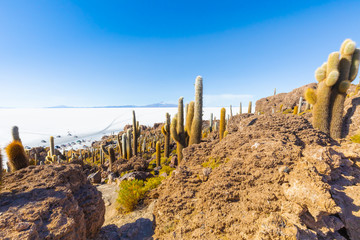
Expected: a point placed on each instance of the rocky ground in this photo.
(272, 177)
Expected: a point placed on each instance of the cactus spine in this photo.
(222, 123)
(249, 108)
(177, 129)
(158, 154)
(166, 132)
(136, 134)
(195, 136)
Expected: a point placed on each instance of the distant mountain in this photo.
(154, 105)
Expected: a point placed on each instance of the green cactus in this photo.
(195, 136)
(177, 129)
(348, 66)
(128, 144)
(158, 154)
(222, 123)
(136, 134)
(211, 122)
(165, 130)
(111, 157)
(334, 79)
(15, 133)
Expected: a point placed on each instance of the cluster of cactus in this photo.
(191, 134)
(334, 77)
(16, 153)
(51, 157)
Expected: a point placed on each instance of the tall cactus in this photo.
(249, 108)
(231, 115)
(211, 122)
(52, 146)
(128, 144)
(158, 154)
(15, 133)
(111, 157)
(166, 132)
(348, 66)
(334, 79)
(177, 129)
(119, 144)
(222, 123)
(195, 136)
(136, 134)
(124, 144)
(189, 119)
(240, 110)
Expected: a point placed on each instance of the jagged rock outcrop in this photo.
(50, 202)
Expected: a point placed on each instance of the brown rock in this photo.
(50, 202)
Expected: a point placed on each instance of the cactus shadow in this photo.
(349, 113)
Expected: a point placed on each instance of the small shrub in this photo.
(212, 163)
(131, 192)
(166, 169)
(355, 138)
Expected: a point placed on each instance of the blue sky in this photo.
(96, 53)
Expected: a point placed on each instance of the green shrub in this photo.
(355, 138)
(211, 163)
(131, 192)
(166, 169)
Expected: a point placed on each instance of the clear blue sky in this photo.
(95, 53)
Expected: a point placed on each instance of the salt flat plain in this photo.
(87, 124)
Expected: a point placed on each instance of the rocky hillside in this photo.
(272, 177)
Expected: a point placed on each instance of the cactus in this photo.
(211, 122)
(177, 129)
(249, 108)
(123, 144)
(348, 66)
(52, 146)
(188, 122)
(300, 104)
(128, 144)
(240, 110)
(15, 133)
(334, 79)
(119, 144)
(136, 134)
(222, 123)
(195, 136)
(111, 157)
(274, 91)
(166, 132)
(295, 112)
(16, 155)
(158, 154)
(231, 115)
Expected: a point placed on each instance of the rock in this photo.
(50, 202)
(95, 177)
(164, 175)
(111, 178)
(139, 175)
(174, 162)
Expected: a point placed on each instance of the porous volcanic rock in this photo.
(276, 178)
(50, 202)
(289, 100)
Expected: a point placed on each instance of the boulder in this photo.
(95, 177)
(50, 202)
